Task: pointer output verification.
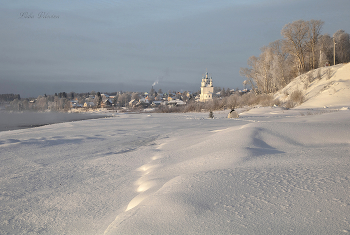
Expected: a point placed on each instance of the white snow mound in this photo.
(332, 90)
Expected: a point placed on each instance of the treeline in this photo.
(236, 100)
(9, 97)
(58, 102)
(41, 103)
(303, 48)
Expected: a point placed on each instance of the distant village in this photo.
(120, 101)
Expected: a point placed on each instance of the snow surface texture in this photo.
(269, 172)
(329, 91)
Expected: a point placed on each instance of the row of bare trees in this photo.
(303, 48)
(41, 103)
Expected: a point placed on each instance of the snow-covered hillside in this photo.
(330, 90)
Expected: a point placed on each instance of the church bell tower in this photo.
(207, 88)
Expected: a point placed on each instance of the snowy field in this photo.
(271, 171)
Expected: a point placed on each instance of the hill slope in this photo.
(325, 92)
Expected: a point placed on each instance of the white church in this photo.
(207, 89)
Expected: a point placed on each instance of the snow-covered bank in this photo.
(330, 89)
(270, 172)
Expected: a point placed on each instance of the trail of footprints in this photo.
(148, 183)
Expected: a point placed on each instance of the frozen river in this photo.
(21, 120)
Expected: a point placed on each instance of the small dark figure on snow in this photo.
(232, 114)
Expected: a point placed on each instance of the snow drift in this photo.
(330, 89)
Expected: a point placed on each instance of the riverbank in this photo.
(22, 120)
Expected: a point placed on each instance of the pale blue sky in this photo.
(128, 45)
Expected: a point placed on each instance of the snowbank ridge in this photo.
(331, 90)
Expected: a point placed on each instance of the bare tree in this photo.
(135, 96)
(303, 48)
(281, 65)
(123, 99)
(325, 45)
(251, 73)
(185, 96)
(315, 27)
(342, 51)
(265, 64)
(296, 35)
(41, 103)
(270, 71)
